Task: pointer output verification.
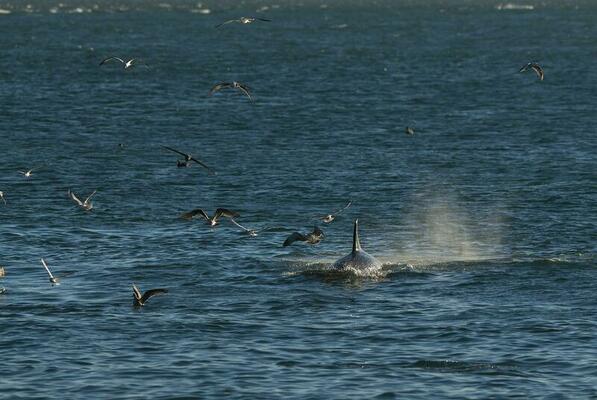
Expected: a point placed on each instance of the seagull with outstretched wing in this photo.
(220, 212)
(28, 173)
(311, 238)
(244, 21)
(187, 160)
(53, 280)
(231, 85)
(140, 299)
(250, 232)
(535, 67)
(86, 205)
(330, 217)
(127, 64)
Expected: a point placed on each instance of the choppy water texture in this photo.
(484, 218)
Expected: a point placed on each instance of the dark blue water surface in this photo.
(485, 218)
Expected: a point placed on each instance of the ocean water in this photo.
(485, 218)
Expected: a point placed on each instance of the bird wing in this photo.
(89, 197)
(245, 90)
(105, 60)
(525, 67)
(317, 231)
(189, 215)
(47, 269)
(224, 212)
(211, 171)
(136, 292)
(226, 22)
(151, 293)
(219, 86)
(139, 61)
(240, 226)
(293, 238)
(538, 70)
(75, 198)
(344, 208)
(176, 151)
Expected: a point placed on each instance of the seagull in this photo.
(87, 205)
(27, 174)
(312, 238)
(330, 217)
(535, 67)
(53, 279)
(2, 197)
(250, 232)
(232, 85)
(127, 64)
(409, 130)
(220, 212)
(140, 300)
(244, 20)
(187, 160)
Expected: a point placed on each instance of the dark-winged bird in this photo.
(220, 212)
(243, 20)
(535, 67)
(312, 238)
(140, 300)
(187, 160)
(231, 85)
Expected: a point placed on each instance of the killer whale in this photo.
(358, 258)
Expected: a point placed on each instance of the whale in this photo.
(358, 259)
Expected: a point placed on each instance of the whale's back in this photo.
(358, 258)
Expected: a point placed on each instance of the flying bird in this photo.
(220, 212)
(140, 300)
(250, 232)
(53, 279)
(312, 238)
(2, 197)
(127, 64)
(244, 20)
(87, 205)
(231, 85)
(535, 67)
(2, 272)
(409, 130)
(187, 160)
(28, 173)
(330, 217)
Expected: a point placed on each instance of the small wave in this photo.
(4, 12)
(513, 6)
(464, 366)
(204, 11)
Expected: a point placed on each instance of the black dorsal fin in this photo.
(356, 244)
